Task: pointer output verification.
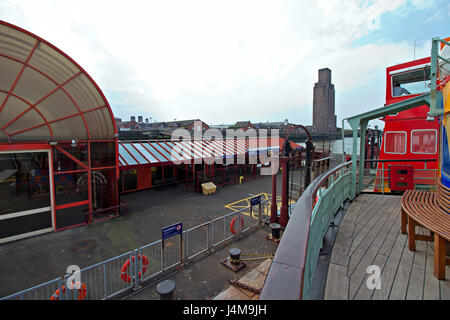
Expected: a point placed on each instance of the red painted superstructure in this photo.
(408, 135)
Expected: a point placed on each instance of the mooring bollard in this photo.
(235, 255)
(165, 289)
(275, 230)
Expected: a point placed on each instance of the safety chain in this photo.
(258, 256)
(244, 286)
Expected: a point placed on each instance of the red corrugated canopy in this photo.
(45, 95)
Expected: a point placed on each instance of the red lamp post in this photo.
(284, 159)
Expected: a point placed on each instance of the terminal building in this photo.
(61, 163)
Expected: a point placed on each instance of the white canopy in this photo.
(45, 95)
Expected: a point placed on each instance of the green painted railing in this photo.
(292, 269)
(330, 198)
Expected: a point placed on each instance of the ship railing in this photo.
(377, 174)
(122, 275)
(291, 273)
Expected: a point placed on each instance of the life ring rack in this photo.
(123, 272)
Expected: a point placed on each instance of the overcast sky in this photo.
(228, 61)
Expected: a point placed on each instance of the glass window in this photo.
(411, 82)
(24, 181)
(24, 224)
(168, 174)
(423, 141)
(154, 148)
(61, 162)
(71, 187)
(129, 179)
(147, 154)
(395, 142)
(103, 154)
(125, 155)
(156, 176)
(136, 153)
(104, 189)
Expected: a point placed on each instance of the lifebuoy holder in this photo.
(123, 272)
(233, 221)
(81, 292)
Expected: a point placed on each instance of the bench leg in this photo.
(439, 257)
(404, 221)
(411, 234)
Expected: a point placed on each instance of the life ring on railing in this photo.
(232, 225)
(81, 292)
(123, 272)
(317, 197)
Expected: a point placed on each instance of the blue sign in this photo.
(172, 230)
(256, 200)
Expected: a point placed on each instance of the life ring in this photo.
(317, 197)
(232, 225)
(123, 272)
(81, 292)
(315, 200)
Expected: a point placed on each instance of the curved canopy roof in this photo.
(45, 95)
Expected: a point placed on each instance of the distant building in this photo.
(244, 125)
(324, 118)
(184, 124)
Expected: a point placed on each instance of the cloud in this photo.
(221, 61)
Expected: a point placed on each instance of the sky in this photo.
(228, 61)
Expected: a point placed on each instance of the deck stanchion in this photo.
(136, 267)
(106, 280)
(210, 236)
(165, 289)
(275, 230)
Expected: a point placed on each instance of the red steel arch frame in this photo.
(19, 145)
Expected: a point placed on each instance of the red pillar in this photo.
(273, 206)
(284, 197)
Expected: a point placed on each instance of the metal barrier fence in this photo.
(117, 275)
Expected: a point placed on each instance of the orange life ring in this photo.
(315, 200)
(123, 272)
(232, 225)
(81, 291)
(317, 196)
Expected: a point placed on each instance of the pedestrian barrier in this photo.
(116, 276)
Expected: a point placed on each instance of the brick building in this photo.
(324, 118)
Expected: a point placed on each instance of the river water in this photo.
(334, 145)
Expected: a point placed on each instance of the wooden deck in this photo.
(369, 235)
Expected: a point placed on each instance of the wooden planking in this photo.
(431, 284)
(417, 277)
(445, 287)
(405, 274)
(368, 235)
(337, 283)
(375, 239)
(390, 268)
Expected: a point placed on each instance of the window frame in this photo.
(435, 141)
(406, 142)
(396, 73)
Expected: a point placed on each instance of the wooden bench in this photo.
(422, 208)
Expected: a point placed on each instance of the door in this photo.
(25, 197)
